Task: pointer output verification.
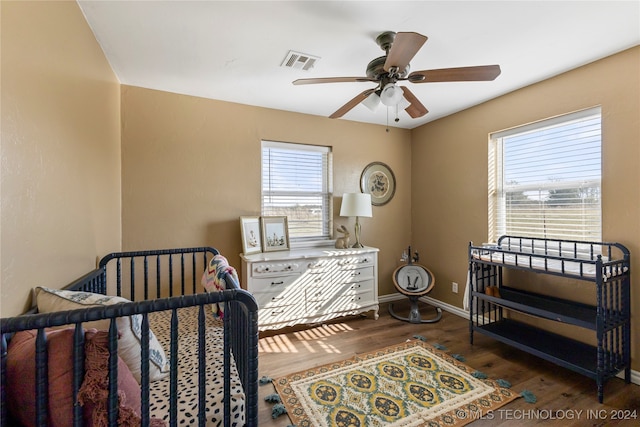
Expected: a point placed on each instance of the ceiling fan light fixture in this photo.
(391, 95)
(372, 101)
(403, 103)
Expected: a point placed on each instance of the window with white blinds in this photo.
(544, 179)
(296, 183)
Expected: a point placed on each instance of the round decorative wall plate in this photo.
(378, 180)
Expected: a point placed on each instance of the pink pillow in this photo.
(21, 380)
(93, 394)
(21, 377)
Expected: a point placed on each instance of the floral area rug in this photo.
(410, 384)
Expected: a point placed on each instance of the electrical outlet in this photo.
(454, 287)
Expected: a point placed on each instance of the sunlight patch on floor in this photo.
(310, 340)
(276, 344)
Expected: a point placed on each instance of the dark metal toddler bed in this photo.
(156, 282)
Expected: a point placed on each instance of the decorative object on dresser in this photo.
(311, 285)
(275, 233)
(604, 267)
(414, 281)
(251, 235)
(343, 242)
(356, 204)
(378, 180)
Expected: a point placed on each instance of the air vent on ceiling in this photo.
(300, 61)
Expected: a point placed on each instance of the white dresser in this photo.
(311, 285)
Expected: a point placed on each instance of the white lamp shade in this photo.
(372, 101)
(403, 104)
(356, 204)
(391, 95)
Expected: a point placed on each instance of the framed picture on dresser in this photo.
(251, 235)
(275, 233)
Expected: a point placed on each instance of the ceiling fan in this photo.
(388, 70)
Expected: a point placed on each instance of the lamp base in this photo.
(357, 244)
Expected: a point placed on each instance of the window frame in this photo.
(497, 189)
(326, 194)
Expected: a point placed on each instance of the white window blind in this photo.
(296, 183)
(544, 179)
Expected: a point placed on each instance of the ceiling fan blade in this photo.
(332, 80)
(403, 49)
(349, 105)
(462, 74)
(416, 109)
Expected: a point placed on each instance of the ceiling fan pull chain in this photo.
(387, 120)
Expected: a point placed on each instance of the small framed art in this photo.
(275, 233)
(251, 236)
(378, 180)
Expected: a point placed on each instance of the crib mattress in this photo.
(160, 323)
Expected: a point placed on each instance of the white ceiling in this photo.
(233, 50)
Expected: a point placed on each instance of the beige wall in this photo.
(191, 168)
(449, 168)
(60, 150)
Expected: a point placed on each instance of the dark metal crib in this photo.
(154, 280)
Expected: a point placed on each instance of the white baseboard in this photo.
(635, 375)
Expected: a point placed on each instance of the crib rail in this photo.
(564, 249)
(144, 275)
(575, 259)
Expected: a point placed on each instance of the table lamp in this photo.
(356, 204)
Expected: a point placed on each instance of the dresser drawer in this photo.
(272, 284)
(273, 299)
(358, 287)
(339, 302)
(277, 315)
(356, 260)
(355, 300)
(356, 273)
(322, 293)
(326, 292)
(319, 265)
(315, 280)
(270, 269)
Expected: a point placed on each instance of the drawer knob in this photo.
(277, 283)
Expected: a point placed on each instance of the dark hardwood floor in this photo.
(564, 398)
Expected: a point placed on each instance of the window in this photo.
(296, 183)
(544, 179)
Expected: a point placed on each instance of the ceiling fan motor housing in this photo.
(375, 70)
(385, 40)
